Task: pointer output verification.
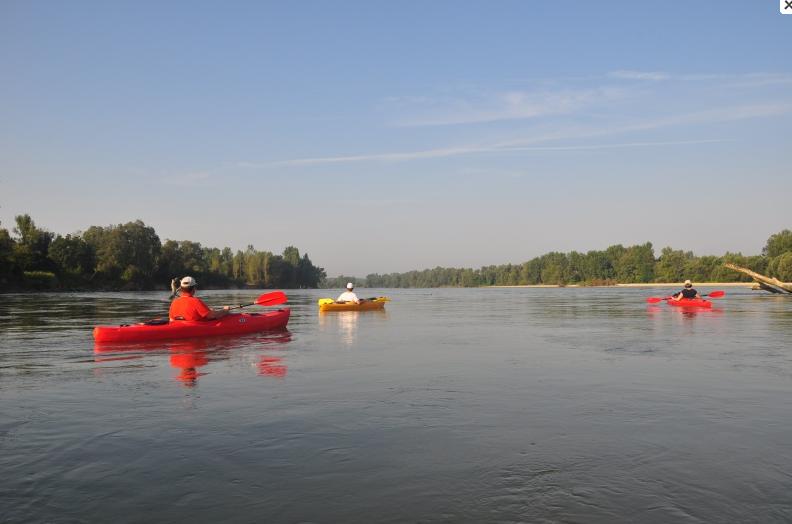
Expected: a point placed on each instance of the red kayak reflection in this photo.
(188, 364)
(683, 312)
(272, 367)
(189, 355)
(693, 312)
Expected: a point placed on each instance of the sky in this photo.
(391, 136)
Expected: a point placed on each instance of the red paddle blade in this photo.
(654, 300)
(716, 294)
(271, 299)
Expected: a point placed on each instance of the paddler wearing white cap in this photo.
(348, 295)
(189, 307)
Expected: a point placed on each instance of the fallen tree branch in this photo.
(767, 283)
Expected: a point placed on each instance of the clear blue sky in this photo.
(388, 136)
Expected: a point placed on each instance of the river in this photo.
(452, 405)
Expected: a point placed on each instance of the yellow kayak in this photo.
(367, 304)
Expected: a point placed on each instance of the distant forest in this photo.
(131, 257)
(616, 264)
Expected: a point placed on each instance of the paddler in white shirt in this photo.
(348, 295)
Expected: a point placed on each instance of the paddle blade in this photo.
(654, 300)
(271, 299)
(716, 294)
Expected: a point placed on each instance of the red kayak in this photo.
(689, 302)
(229, 325)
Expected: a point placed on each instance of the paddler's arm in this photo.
(217, 313)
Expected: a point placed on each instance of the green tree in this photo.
(192, 256)
(672, 266)
(554, 268)
(308, 275)
(636, 264)
(9, 271)
(597, 266)
(127, 253)
(781, 267)
(32, 245)
(291, 256)
(238, 266)
(778, 244)
(73, 255)
(170, 263)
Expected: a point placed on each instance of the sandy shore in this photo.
(695, 284)
(650, 284)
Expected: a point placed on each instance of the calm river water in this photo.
(454, 405)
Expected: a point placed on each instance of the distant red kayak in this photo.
(229, 325)
(689, 302)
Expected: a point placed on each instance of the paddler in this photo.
(189, 307)
(687, 292)
(348, 295)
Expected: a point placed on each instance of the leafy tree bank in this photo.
(616, 264)
(131, 256)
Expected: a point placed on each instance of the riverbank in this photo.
(647, 284)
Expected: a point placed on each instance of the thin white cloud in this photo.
(527, 144)
(762, 80)
(476, 107)
(388, 157)
(725, 114)
(437, 153)
(202, 178)
(510, 105)
(639, 75)
(602, 112)
(618, 146)
(741, 80)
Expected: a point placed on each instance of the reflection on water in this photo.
(272, 366)
(345, 323)
(188, 355)
(684, 312)
(188, 364)
(483, 405)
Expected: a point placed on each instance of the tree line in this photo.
(616, 264)
(131, 257)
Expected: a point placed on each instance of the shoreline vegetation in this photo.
(131, 257)
(615, 266)
(638, 285)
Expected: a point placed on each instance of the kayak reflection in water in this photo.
(189, 363)
(190, 356)
(272, 367)
(687, 292)
(189, 307)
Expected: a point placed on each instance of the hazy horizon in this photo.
(382, 138)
